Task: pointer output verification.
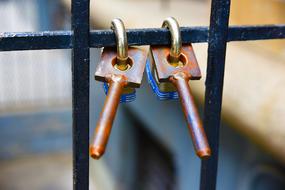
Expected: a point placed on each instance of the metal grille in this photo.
(80, 39)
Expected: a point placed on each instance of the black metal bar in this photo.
(245, 33)
(80, 93)
(35, 40)
(152, 36)
(218, 35)
(160, 36)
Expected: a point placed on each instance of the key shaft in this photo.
(107, 116)
(199, 139)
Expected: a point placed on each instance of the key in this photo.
(173, 67)
(122, 70)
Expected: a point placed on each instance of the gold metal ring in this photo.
(121, 39)
(176, 42)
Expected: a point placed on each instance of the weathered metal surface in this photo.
(118, 80)
(137, 60)
(165, 69)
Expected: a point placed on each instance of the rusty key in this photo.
(177, 65)
(122, 69)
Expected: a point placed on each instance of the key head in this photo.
(134, 73)
(164, 70)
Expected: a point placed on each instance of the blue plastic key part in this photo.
(161, 95)
(125, 98)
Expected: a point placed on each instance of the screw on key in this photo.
(176, 66)
(122, 69)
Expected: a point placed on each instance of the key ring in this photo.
(176, 42)
(122, 43)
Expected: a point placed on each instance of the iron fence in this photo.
(80, 39)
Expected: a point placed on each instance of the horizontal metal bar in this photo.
(35, 40)
(246, 33)
(150, 36)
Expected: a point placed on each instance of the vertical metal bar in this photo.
(218, 33)
(80, 93)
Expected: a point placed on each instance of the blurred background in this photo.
(150, 147)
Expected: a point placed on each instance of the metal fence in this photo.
(80, 39)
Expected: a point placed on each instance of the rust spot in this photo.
(164, 69)
(134, 74)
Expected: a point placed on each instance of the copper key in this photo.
(121, 69)
(177, 65)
